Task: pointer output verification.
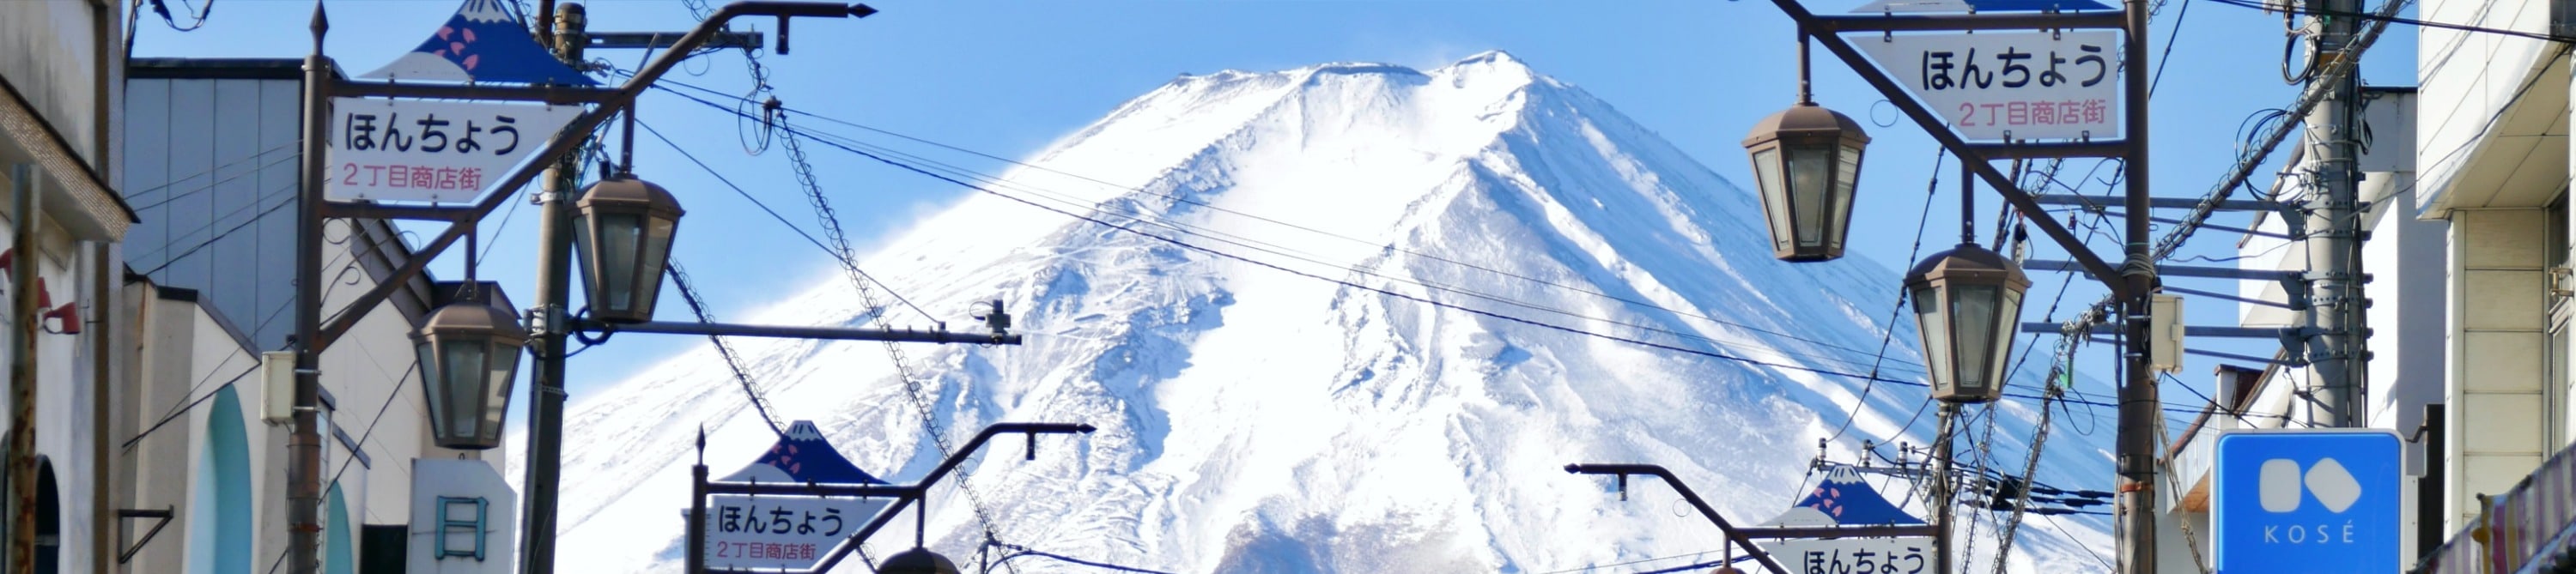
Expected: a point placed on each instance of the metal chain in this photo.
(875, 310)
(698, 307)
(2190, 539)
(1981, 484)
(2029, 471)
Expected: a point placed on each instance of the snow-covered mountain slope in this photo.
(1294, 405)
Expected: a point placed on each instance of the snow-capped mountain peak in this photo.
(1341, 318)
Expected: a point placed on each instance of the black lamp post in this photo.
(623, 236)
(469, 356)
(1806, 160)
(918, 560)
(1966, 303)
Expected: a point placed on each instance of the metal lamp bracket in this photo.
(2299, 294)
(163, 519)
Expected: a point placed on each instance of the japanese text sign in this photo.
(774, 532)
(414, 150)
(1910, 555)
(1999, 86)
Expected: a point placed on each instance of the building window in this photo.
(219, 511)
(339, 545)
(381, 548)
(460, 527)
(49, 519)
(2556, 426)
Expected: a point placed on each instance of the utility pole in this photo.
(2141, 411)
(554, 277)
(1941, 492)
(22, 370)
(304, 442)
(2334, 222)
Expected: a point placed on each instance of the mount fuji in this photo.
(1340, 318)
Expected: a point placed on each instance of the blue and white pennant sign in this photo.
(485, 43)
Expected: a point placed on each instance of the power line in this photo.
(2298, 10)
(751, 391)
(1387, 291)
(1921, 222)
(132, 194)
(1216, 235)
(220, 236)
(163, 9)
(1294, 254)
(994, 182)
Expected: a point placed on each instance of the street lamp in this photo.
(1806, 160)
(469, 355)
(1966, 303)
(918, 560)
(623, 234)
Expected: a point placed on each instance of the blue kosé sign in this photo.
(2322, 500)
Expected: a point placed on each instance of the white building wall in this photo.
(50, 53)
(2408, 359)
(2467, 81)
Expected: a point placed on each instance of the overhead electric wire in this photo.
(698, 308)
(171, 181)
(2165, 60)
(1921, 222)
(218, 237)
(859, 281)
(2390, 18)
(962, 174)
(1385, 290)
(390, 398)
(182, 408)
(773, 213)
(1309, 258)
(997, 181)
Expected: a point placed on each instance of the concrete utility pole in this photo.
(2141, 409)
(554, 286)
(22, 370)
(304, 443)
(2334, 223)
(1942, 495)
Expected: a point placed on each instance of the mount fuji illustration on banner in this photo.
(802, 455)
(482, 43)
(1842, 499)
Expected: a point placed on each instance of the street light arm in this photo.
(564, 142)
(1624, 470)
(921, 490)
(1940, 132)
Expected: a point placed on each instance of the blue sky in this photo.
(1007, 78)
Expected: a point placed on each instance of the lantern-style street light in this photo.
(1806, 160)
(918, 560)
(1967, 302)
(623, 234)
(469, 356)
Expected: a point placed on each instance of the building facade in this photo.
(2471, 300)
(60, 66)
(213, 149)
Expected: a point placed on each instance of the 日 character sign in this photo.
(1999, 86)
(415, 150)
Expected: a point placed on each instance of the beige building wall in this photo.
(2498, 316)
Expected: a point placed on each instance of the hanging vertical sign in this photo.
(433, 151)
(2011, 86)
